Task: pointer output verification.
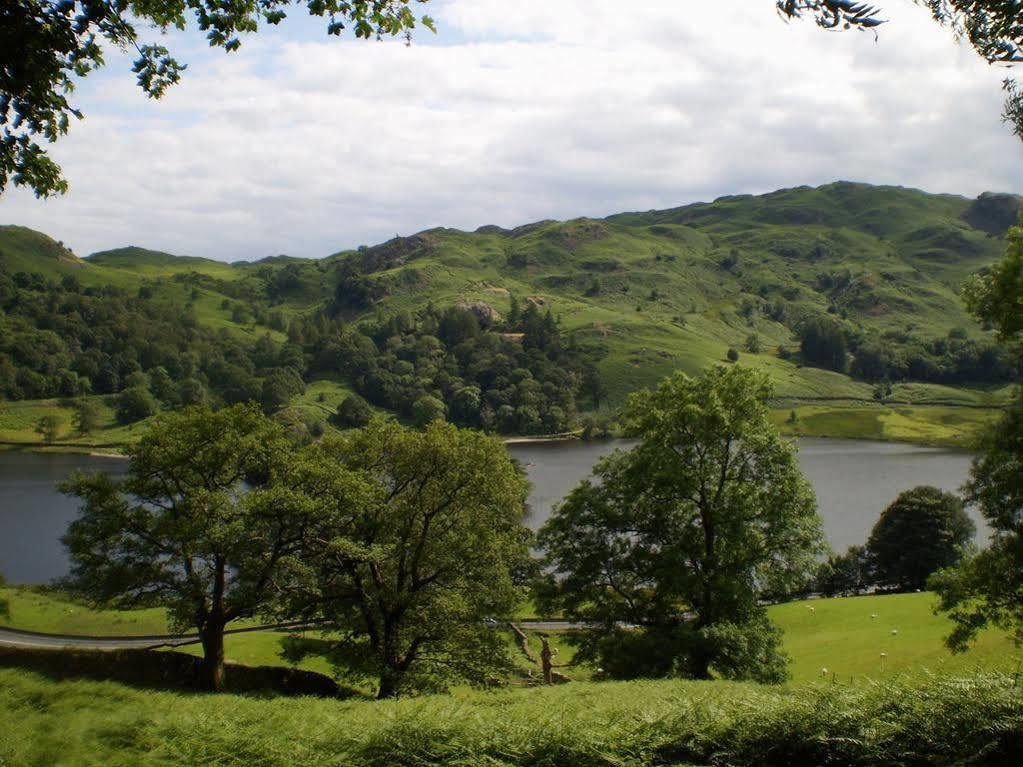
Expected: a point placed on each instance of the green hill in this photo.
(25, 250)
(154, 263)
(651, 292)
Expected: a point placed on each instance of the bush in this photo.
(733, 355)
(427, 409)
(135, 404)
(921, 532)
(353, 412)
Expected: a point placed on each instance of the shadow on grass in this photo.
(159, 670)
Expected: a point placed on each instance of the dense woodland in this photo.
(62, 339)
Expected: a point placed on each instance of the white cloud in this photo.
(518, 111)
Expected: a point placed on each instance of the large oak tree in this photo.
(410, 567)
(923, 530)
(202, 524)
(664, 556)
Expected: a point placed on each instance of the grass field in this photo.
(939, 425)
(919, 706)
(971, 720)
(839, 635)
(942, 425)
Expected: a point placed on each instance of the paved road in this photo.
(17, 638)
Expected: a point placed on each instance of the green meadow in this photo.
(846, 636)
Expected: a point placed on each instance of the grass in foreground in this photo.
(977, 719)
(834, 634)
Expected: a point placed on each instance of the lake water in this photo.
(854, 481)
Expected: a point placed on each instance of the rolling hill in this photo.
(650, 292)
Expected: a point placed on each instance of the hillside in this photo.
(646, 293)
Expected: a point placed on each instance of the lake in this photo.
(854, 481)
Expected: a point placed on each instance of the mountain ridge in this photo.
(650, 292)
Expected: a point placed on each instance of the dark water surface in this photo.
(33, 515)
(854, 481)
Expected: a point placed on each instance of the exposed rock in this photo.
(994, 212)
(394, 252)
(486, 315)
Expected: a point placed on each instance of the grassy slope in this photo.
(836, 634)
(954, 721)
(664, 300)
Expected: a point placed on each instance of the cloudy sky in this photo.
(515, 111)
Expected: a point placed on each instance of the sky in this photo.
(304, 144)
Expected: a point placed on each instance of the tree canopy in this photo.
(47, 45)
(180, 531)
(996, 295)
(410, 570)
(680, 535)
(923, 530)
(987, 589)
(994, 28)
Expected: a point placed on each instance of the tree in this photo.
(427, 409)
(353, 412)
(279, 386)
(86, 417)
(678, 536)
(48, 427)
(822, 342)
(996, 297)
(192, 392)
(733, 354)
(46, 46)
(181, 531)
(993, 27)
(987, 589)
(411, 573)
(847, 573)
(923, 530)
(135, 404)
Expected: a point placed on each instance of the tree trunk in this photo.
(700, 663)
(213, 656)
(389, 679)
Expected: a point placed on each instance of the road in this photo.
(17, 638)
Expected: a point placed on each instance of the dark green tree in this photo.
(135, 404)
(47, 46)
(847, 573)
(353, 412)
(822, 342)
(180, 531)
(278, 389)
(426, 410)
(48, 427)
(192, 392)
(923, 530)
(86, 417)
(679, 536)
(411, 572)
(987, 589)
(996, 297)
